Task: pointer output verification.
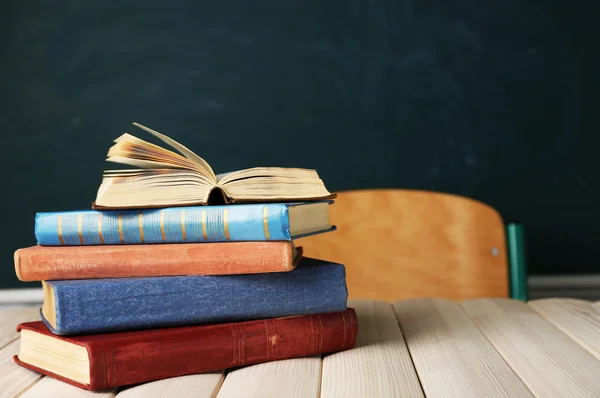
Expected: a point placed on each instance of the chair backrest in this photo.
(399, 244)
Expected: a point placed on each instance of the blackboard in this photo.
(493, 100)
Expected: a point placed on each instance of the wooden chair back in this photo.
(399, 244)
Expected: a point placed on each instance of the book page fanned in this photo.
(165, 178)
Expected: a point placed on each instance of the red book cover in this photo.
(120, 359)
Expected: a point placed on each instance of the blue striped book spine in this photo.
(103, 305)
(251, 222)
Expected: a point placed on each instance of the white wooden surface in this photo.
(294, 378)
(14, 379)
(414, 348)
(379, 365)
(193, 386)
(549, 362)
(11, 317)
(578, 319)
(451, 354)
(52, 388)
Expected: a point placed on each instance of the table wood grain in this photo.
(450, 353)
(412, 348)
(548, 361)
(576, 318)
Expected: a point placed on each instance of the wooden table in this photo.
(413, 348)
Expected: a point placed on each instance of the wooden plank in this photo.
(578, 319)
(451, 355)
(204, 385)
(11, 317)
(14, 379)
(549, 362)
(379, 365)
(49, 387)
(297, 378)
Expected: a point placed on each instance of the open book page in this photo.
(275, 172)
(270, 190)
(146, 165)
(168, 178)
(221, 176)
(152, 190)
(182, 149)
(133, 151)
(272, 183)
(130, 145)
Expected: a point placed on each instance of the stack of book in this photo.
(177, 271)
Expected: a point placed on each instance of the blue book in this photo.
(240, 222)
(107, 305)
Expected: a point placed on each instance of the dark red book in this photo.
(108, 360)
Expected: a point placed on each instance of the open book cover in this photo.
(178, 177)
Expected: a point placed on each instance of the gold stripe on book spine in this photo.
(271, 338)
(313, 333)
(235, 344)
(320, 334)
(162, 226)
(121, 237)
(141, 226)
(183, 234)
(266, 222)
(242, 344)
(226, 223)
(60, 237)
(345, 327)
(79, 229)
(204, 234)
(100, 229)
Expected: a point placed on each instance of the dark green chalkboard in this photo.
(495, 100)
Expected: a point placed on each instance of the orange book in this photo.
(43, 263)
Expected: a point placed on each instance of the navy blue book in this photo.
(110, 305)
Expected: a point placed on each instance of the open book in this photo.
(165, 178)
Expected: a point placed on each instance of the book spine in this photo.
(182, 352)
(107, 305)
(170, 225)
(43, 263)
